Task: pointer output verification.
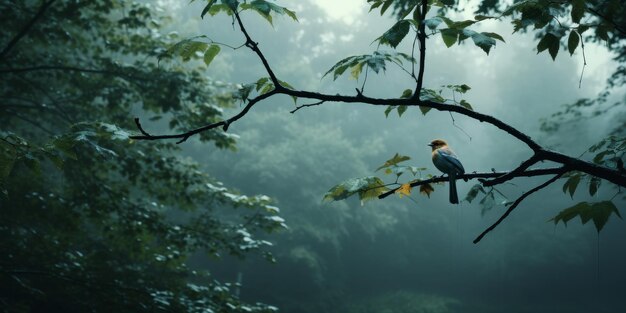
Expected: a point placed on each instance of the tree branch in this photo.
(612, 175)
(254, 47)
(305, 106)
(617, 27)
(7, 49)
(468, 176)
(421, 34)
(517, 202)
(512, 174)
(184, 136)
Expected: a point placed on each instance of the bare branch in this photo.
(617, 26)
(7, 49)
(184, 136)
(254, 47)
(517, 202)
(468, 176)
(305, 106)
(512, 174)
(421, 34)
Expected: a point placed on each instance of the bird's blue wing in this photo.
(452, 159)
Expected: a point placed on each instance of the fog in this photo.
(409, 254)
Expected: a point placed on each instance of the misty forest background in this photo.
(235, 221)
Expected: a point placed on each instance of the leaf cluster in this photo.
(92, 220)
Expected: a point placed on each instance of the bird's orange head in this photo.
(437, 143)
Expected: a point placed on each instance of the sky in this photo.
(414, 251)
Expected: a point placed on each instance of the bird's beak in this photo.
(430, 144)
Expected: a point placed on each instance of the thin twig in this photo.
(615, 25)
(582, 46)
(254, 47)
(512, 174)
(364, 79)
(305, 106)
(413, 54)
(517, 202)
(7, 49)
(459, 127)
(225, 123)
(421, 33)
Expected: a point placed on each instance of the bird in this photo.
(446, 161)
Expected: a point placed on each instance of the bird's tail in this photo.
(454, 197)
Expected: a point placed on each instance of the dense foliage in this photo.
(95, 220)
(92, 220)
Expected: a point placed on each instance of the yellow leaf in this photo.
(405, 189)
(426, 189)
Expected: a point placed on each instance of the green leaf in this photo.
(449, 36)
(572, 184)
(466, 105)
(112, 132)
(66, 145)
(578, 10)
(487, 202)
(594, 184)
(460, 25)
(483, 41)
(570, 213)
(402, 109)
(375, 4)
(356, 70)
(207, 8)
(217, 8)
(458, 88)
(244, 91)
(265, 8)
(602, 32)
(417, 15)
(376, 62)
(394, 161)
(55, 158)
(291, 14)
(32, 163)
(261, 82)
(473, 192)
(288, 86)
(367, 188)
(483, 17)
(232, 4)
(407, 93)
(7, 159)
(550, 42)
(269, 87)
(210, 54)
(389, 109)
(599, 212)
(433, 23)
(395, 34)
(572, 41)
(494, 36)
(385, 6)
(186, 48)
(582, 28)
